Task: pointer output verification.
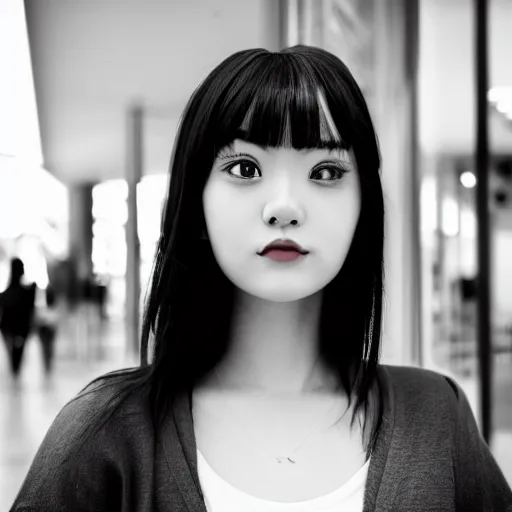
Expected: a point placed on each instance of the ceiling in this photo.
(93, 58)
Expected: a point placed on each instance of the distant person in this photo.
(16, 314)
(102, 296)
(71, 282)
(47, 325)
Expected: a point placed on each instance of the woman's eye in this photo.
(328, 173)
(244, 170)
(247, 170)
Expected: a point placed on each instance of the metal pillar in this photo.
(80, 209)
(134, 164)
(483, 232)
(301, 22)
(289, 30)
(411, 31)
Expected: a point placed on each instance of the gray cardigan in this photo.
(429, 456)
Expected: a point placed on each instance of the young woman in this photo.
(263, 391)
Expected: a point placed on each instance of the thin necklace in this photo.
(286, 459)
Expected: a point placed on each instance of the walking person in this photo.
(16, 310)
(47, 325)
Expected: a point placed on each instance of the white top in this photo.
(221, 496)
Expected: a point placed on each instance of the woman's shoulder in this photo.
(100, 414)
(111, 396)
(436, 439)
(104, 404)
(425, 392)
(85, 450)
(415, 379)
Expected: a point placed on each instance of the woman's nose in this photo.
(283, 212)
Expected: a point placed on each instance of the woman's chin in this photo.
(282, 294)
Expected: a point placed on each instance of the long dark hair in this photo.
(190, 301)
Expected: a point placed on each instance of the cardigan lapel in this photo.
(179, 451)
(376, 494)
(178, 444)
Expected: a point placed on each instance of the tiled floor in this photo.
(28, 408)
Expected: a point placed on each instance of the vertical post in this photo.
(301, 22)
(80, 207)
(134, 142)
(483, 233)
(80, 217)
(289, 13)
(411, 30)
(391, 97)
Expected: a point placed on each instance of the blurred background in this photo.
(91, 92)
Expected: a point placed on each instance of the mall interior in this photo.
(90, 100)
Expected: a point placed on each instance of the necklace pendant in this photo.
(282, 459)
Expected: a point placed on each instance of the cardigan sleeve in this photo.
(57, 482)
(479, 482)
(112, 471)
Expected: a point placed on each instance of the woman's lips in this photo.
(283, 244)
(283, 255)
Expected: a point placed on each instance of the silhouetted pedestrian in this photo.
(47, 323)
(16, 310)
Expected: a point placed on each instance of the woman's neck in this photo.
(273, 347)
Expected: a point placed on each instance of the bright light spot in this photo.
(501, 98)
(504, 106)
(496, 94)
(109, 201)
(19, 123)
(450, 217)
(467, 223)
(468, 179)
(110, 214)
(151, 193)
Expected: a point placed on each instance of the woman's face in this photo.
(318, 188)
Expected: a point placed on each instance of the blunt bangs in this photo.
(278, 101)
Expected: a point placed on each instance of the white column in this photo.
(134, 144)
(394, 117)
